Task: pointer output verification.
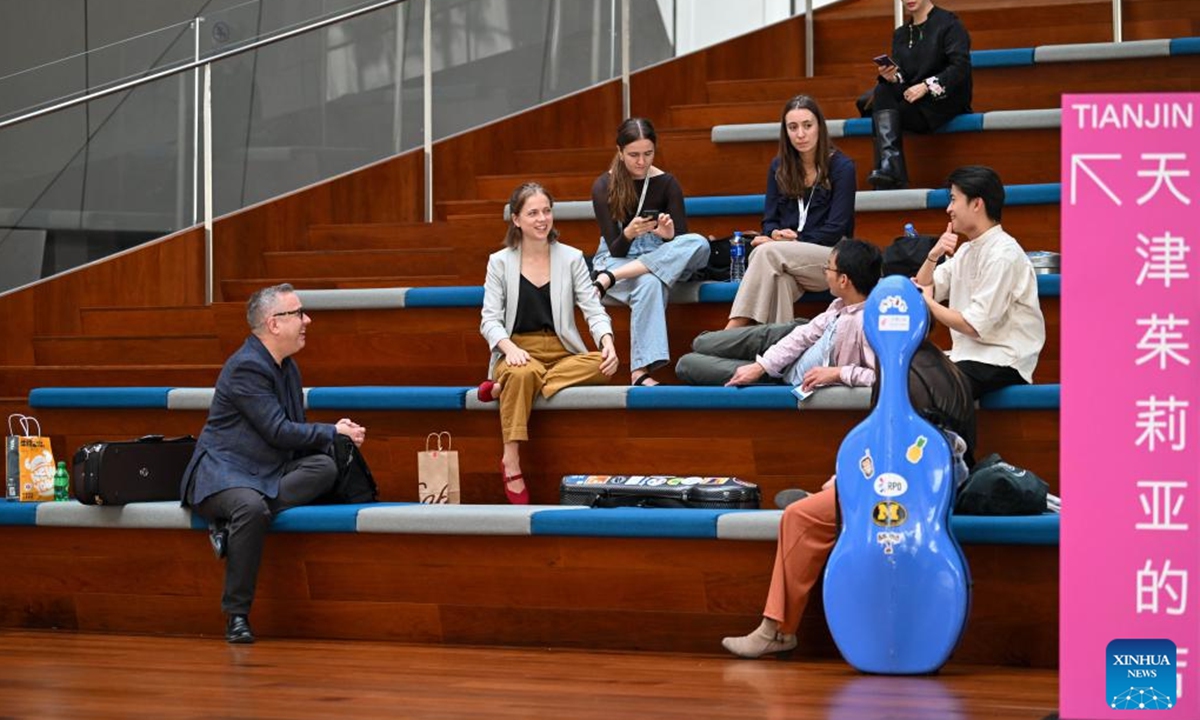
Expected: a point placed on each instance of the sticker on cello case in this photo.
(893, 323)
(888, 540)
(889, 513)
(916, 451)
(890, 485)
(866, 464)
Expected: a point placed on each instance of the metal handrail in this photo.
(194, 64)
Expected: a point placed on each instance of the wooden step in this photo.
(414, 262)
(594, 160)
(116, 350)
(559, 185)
(778, 90)
(242, 288)
(538, 163)
(18, 380)
(392, 236)
(707, 168)
(1035, 226)
(442, 346)
(1016, 88)
(564, 442)
(146, 321)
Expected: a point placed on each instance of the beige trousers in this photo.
(551, 368)
(779, 273)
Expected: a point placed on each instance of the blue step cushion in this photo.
(864, 201)
(541, 520)
(683, 293)
(99, 397)
(608, 397)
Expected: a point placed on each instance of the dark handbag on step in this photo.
(148, 469)
(667, 491)
(906, 255)
(718, 258)
(355, 483)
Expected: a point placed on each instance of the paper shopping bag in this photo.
(437, 472)
(29, 462)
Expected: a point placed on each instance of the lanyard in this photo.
(642, 199)
(802, 209)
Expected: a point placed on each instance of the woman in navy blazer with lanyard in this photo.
(809, 207)
(529, 298)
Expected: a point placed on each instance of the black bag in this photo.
(718, 258)
(143, 470)
(906, 255)
(658, 491)
(355, 483)
(995, 487)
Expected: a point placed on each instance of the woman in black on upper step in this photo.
(929, 85)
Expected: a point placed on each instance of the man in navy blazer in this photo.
(256, 455)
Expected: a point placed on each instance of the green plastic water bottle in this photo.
(62, 483)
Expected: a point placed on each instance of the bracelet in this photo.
(930, 259)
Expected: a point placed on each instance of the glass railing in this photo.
(101, 175)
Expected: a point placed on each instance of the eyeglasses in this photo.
(298, 312)
(830, 268)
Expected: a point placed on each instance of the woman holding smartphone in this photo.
(809, 207)
(645, 247)
(923, 84)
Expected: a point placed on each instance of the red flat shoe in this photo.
(514, 498)
(484, 392)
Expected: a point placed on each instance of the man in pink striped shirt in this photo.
(830, 349)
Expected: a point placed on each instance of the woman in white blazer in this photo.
(529, 298)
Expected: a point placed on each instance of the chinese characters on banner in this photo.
(1130, 453)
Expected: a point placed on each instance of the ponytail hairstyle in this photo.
(790, 173)
(512, 239)
(622, 198)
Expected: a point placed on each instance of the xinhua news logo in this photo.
(1141, 674)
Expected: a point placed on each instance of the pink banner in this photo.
(1130, 547)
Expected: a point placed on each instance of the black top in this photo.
(663, 195)
(534, 312)
(939, 47)
(830, 211)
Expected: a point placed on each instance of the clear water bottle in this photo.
(737, 257)
(909, 230)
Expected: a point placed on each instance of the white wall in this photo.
(701, 23)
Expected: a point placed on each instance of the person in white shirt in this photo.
(996, 324)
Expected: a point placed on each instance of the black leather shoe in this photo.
(218, 537)
(237, 630)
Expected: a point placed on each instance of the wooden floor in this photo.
(48, 675)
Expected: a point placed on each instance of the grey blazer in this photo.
(570, 286)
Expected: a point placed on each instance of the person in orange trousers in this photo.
(808, 528)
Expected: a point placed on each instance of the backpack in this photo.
(995, 487)
(906, 255)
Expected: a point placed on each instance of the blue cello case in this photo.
(897, 587)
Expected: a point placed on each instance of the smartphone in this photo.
(884, 61)
(649, 214)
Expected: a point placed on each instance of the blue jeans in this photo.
(646, 295)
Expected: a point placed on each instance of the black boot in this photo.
(889, 172)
